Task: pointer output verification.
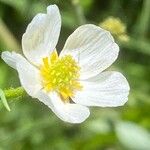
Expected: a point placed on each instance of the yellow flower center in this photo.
(60, 75)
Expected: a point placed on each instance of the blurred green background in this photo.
(30, 125)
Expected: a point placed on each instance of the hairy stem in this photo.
(14, 92)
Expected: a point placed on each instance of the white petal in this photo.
(72, 113)
(108, 89)
(11, 58)
(28, 74)
(93, 47)
(41, 35)
(29, 77)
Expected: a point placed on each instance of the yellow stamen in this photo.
(60, 75)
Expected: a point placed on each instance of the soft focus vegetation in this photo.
(31, 125)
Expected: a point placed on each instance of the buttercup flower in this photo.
(70, 82)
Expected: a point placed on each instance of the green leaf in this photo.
(4, 101)
(133, 136)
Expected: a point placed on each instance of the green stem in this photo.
(14, 92)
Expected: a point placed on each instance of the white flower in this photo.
(69, 83)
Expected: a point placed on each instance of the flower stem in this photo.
(14, 92)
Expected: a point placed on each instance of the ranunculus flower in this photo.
(70, 82)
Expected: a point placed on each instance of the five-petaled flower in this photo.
(70, 82)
